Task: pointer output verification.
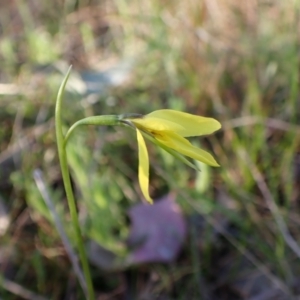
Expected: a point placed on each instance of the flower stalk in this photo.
(60, 139)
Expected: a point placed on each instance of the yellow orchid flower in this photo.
(168, 128)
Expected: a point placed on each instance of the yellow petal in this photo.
(183, 146)
(143, 166)
(156, 124)
(192, 125)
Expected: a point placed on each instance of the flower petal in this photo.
(183, 146)
(143, 166)
(156, 124)
(171, 151)
(192, 125)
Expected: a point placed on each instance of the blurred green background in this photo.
(236, 61)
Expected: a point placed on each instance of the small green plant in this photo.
(165, 128)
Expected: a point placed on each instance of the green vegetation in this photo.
(235, 61)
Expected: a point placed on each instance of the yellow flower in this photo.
(168, 128)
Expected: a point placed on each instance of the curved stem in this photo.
(88, 289)
(94, 120)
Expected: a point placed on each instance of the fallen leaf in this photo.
(157, 232)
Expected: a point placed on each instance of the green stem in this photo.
(94, 120)
(89, 290)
